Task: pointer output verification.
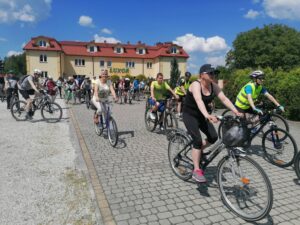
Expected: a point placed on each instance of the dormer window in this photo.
(42, 43)
(92, 49)
(119, 50)
(141, 51)
(173, 50)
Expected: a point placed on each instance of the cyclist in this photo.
(250, 92)
(12, 87)
(196, 114)
(159, 90)
(135, 85)
(27, 87)
(126, 86)
(86, 87)
(102, 90)
(180, 90)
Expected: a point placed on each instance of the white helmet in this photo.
(37, 71)
(257, 74)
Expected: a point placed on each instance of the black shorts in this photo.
(195, 123)
(181, 98)
(250, 110)
(25, 93)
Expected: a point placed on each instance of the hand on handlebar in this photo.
(258, 111)
(281, 108)
(212, 119)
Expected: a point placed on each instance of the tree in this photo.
(275, 46)
(17, 63)
(175, 73)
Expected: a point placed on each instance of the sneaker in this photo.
(161, 128)
(198, 175)
(28, 116)
(152, 116)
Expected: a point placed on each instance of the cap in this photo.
(206, 68)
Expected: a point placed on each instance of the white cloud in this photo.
(11, 53)
(86, 21)
(216, 60)
(106, 31)
(23, 44)
(192, 43)
(282, 9)
(3, 39)
(251, 14)
(107, 39)
(28, 11)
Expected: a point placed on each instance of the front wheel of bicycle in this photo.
(279, 121)
(112, 131)
(51, 112)
(87, 101)
(245, 188)
(278, 150)
(150, 123)
(180, 159)
(297, 165)
(18, 111)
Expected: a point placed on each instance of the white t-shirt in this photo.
(103, 90)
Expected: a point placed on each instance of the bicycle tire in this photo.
(170, 121)
(13, 100)
(279, 121)
(49, 109)
(113, 138)
(17, 109)
(297, 165)
(248, 202)
(271, 139)
(98, 129)
(87, 101)
(180, 164)
(150, 124)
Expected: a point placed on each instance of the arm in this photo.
(272, 99)
(112, 90)
(183, 90)
(173, 93)
(33, 86)
(96, 93)
(152, 92)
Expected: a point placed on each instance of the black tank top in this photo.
(190, 105)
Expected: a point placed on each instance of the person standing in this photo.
(12, 87)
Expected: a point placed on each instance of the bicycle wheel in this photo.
(170, 121)
(150, 123)
(51, 112)
(112, 131)
(278, 150)
(180, 159)
(297, 165)
(97, 126)
(13, 99)
(87, 101)
(279, 121)
(245, 188)
(18, 111)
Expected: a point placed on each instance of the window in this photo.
(42, 43)
(130, 64)
(173, 50)
(44, 74)
(149, 65)
(102, 63)
(43, 58)
(141, 51)
(79, 62)
(92, 48)
(119, 50)
(109, 63)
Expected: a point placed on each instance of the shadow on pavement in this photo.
(122, 136)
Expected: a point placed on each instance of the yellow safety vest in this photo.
(242, 100)
(178, 90)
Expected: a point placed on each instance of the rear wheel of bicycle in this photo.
(245, 188)
(150, 123)
(180, 159)
(279, 121)
(170, 121)
(18, 111)
(51, 112)
(87, 101)
(279, 146)
(13, 99)
(112, 132)
(297, 165)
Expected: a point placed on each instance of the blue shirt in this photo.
(136, 84)
(248, 90)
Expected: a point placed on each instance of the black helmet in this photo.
(188, 74)
(257, 74)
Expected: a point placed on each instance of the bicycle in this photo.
(107, 122)
(166, 117)
(50, 111)
(275, 140)
(87, 98)
(297, 165)
(244, 186)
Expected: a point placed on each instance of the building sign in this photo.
(119, 70)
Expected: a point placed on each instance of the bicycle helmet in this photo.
(188, 74)
(257, 74)
(37, 71)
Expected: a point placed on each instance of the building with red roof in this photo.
(68, 58)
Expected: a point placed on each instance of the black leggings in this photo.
(194, 123)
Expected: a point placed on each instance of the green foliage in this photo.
(114, 78)
(275, 46)
(141, 77)
(175, 73)
(17, 63)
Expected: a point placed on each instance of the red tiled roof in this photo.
(107, 49)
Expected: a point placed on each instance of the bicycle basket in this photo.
(235, 134)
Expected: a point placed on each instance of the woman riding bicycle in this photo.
(196, 114)
(102, 89)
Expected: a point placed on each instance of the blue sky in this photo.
(206, 29)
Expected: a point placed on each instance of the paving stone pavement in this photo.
(141, 188)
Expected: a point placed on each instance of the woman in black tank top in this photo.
(196, 114)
